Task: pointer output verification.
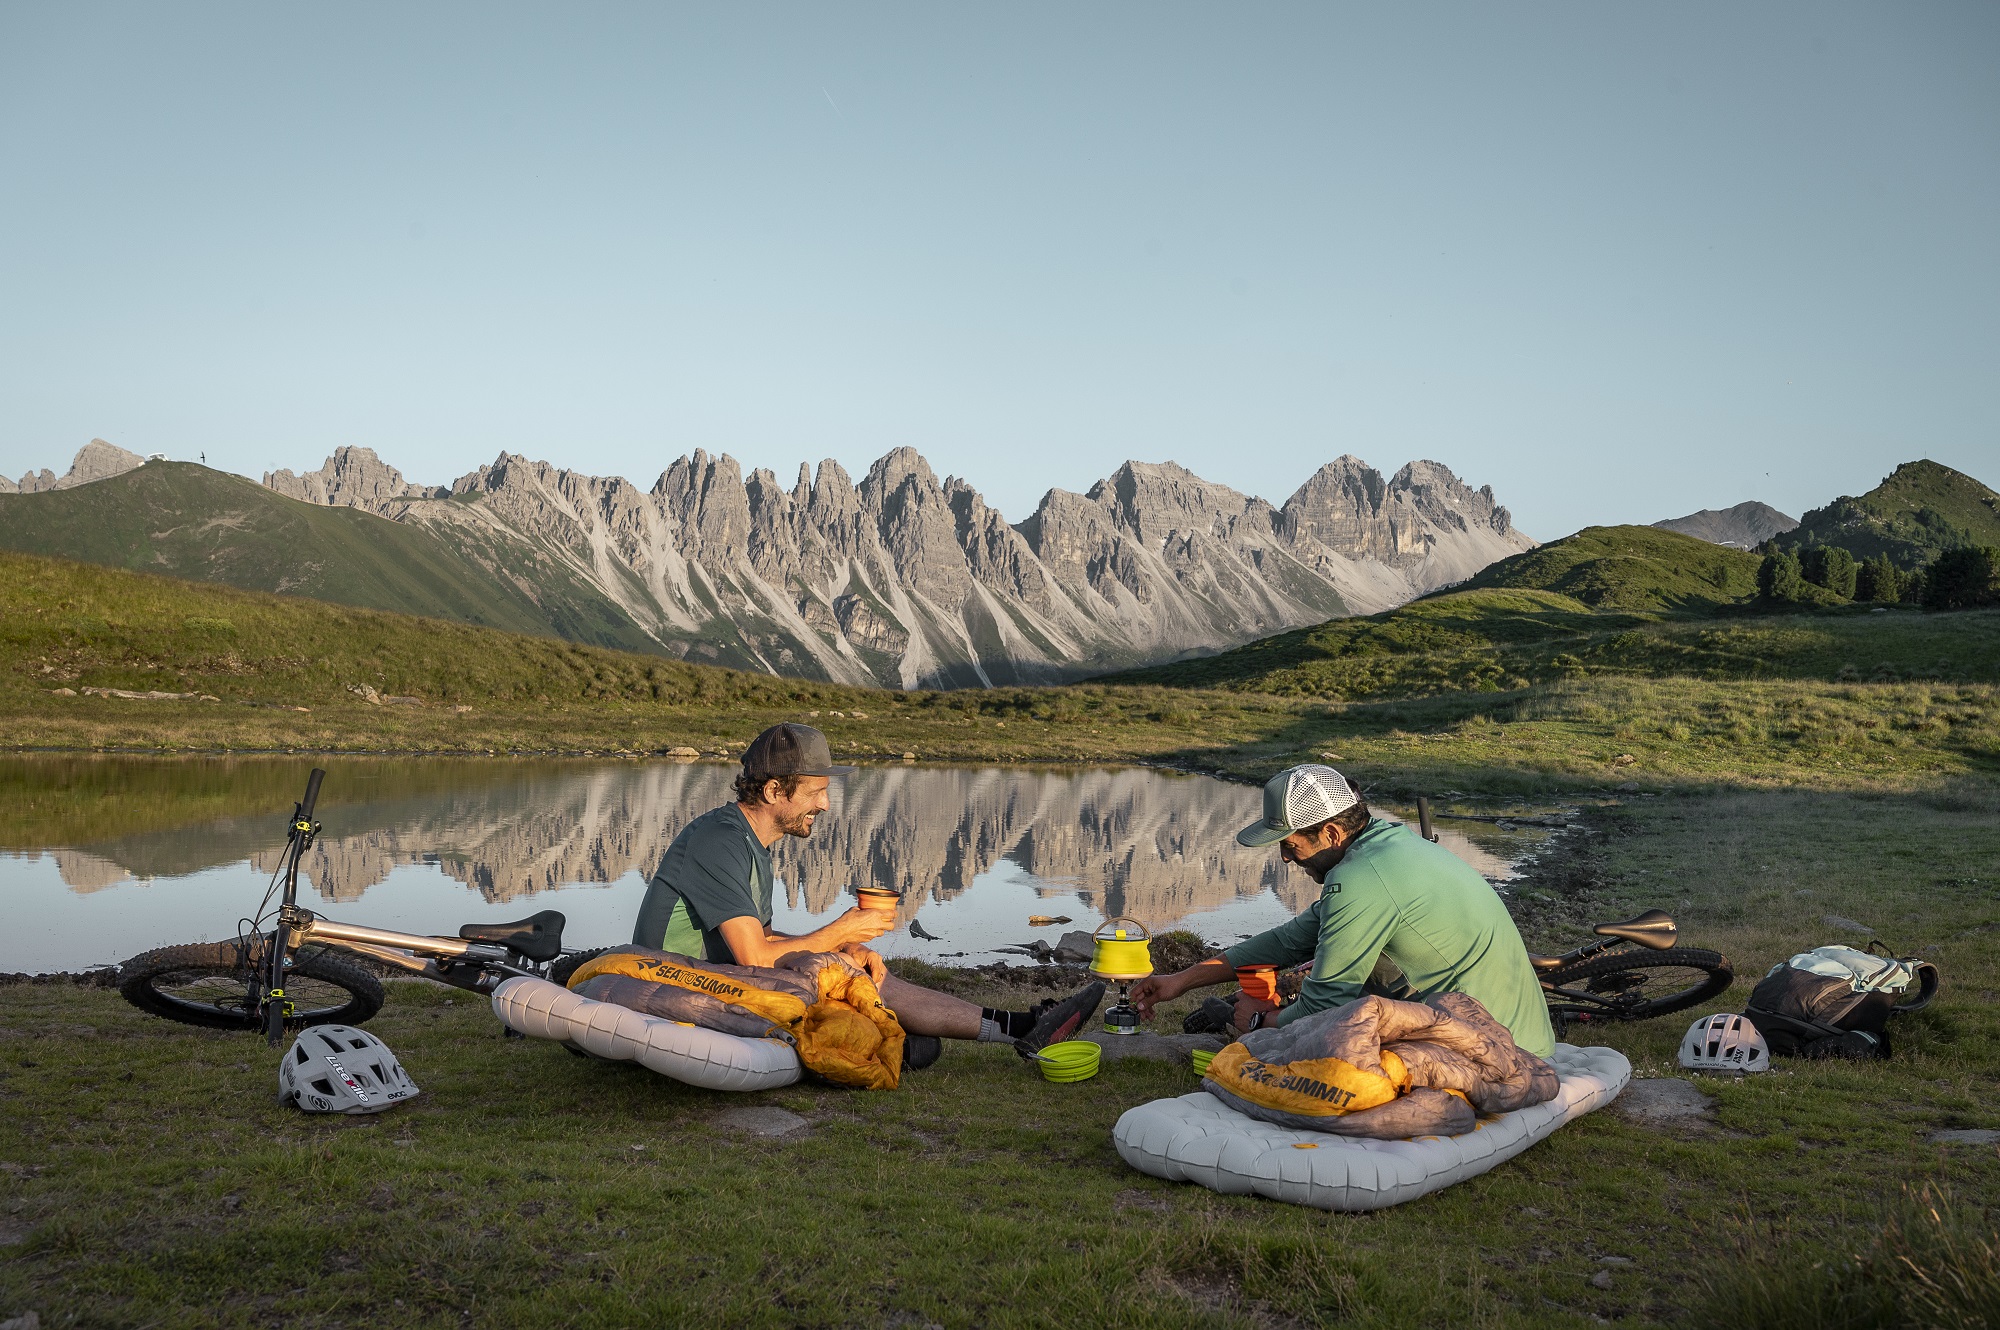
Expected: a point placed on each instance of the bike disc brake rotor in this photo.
(304, 995)
(1632, 992)
(195, 988)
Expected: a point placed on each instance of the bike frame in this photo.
(1595, 947)
(478, 966)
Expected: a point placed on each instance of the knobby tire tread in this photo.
(1720, 977)
(570, 962)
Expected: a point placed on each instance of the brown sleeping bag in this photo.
(1381, 1068)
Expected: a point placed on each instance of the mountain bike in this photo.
(285, 971)
(1633, 970)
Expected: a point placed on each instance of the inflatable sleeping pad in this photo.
(1197, 1138)
(708, 1058)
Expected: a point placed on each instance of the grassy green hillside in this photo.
(1888, 696)
(1628, 568)
(1608, 600)
(282, 672)
(1918, 512)
(1500, 639)
(187, 521)
(78, 625)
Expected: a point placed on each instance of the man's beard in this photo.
(1324, 862)
(800, 825)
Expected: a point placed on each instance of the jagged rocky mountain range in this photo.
(96, 460)
(1744, 526)
(905, 580)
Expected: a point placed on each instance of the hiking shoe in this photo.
(1211, 1017)
(1057, 1021)
(920, 1050)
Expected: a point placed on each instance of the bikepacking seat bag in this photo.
(1834, 1002)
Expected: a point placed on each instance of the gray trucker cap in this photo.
(1301, 796)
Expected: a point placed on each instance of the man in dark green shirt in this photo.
(711, 898)
(1384, 891)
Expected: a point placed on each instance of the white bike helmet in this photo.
(339, 1069)
(1725, 1042)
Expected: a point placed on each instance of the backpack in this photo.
(1836, 1001)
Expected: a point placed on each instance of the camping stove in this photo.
(1122, 959)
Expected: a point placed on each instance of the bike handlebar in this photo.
(312, 794)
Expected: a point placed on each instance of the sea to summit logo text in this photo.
(700, 980)
(1291, 1082)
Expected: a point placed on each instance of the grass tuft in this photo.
(1929, 1259)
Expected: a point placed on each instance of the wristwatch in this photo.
(1256, 1022)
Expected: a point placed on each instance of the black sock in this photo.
(1013, 1024)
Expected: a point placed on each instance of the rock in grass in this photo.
(1075, 945)
(760, 1120)
(1965, 1136)
(1146, 1044)
(1664, 1102)
(1845, 924)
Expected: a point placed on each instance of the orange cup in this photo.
(1259, 981)
(879, 900)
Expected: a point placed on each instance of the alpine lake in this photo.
(104, 857)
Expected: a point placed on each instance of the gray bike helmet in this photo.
(339, 1069)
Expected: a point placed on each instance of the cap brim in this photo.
(1261, 833)
(835, 769)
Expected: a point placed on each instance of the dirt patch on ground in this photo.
(1667, 1103)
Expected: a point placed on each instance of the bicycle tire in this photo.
(569, 962)
(1595, 972)
(208, 984)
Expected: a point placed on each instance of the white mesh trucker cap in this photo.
(1301, 796)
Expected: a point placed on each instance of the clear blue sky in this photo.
(1618, 261)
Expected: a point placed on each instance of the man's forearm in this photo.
(762, 947)
(827, 937)
(1214, 970)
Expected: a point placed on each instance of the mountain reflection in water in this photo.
(1156, 846)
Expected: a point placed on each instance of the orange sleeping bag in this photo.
(819, 1002)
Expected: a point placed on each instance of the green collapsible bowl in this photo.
(1071, 1060)
(1201, 1057)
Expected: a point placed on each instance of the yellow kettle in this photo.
(1121, 956)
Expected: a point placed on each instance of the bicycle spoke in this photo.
(223, 992)
(1634, 985)
(307, 996)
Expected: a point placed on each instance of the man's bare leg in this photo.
(927, 1011)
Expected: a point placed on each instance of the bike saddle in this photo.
(1543, 964)
(536, 938)
(1653, 929)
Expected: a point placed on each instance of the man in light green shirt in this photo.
(1385, 891)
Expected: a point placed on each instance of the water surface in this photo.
(105, 857)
